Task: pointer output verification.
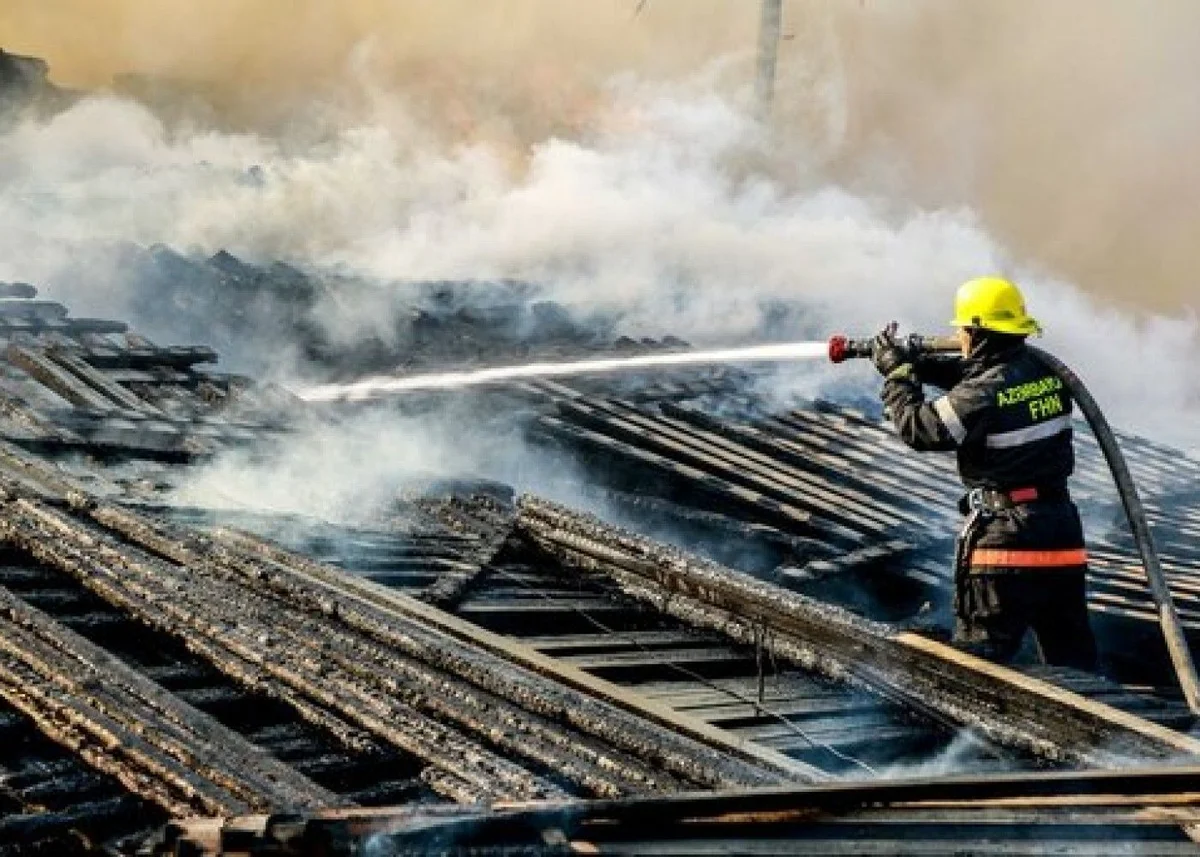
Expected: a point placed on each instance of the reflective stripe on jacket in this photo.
(1008, 419)
(1005, 414)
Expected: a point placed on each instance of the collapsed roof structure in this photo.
(719, 654)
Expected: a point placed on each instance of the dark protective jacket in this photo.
(1008, 418)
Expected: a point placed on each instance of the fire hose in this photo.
(841, 349)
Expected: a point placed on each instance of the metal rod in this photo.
(768, 54)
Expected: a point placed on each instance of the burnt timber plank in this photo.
(825, 519)
(126, 725)
(240, 658)
(458, 575)
(759, 507)
(869, 443)
(264, 644)
(1096, 813)
(845, 504)
(595, 702)
(596, 767)
(114, 392)
(147, 357)
(33, 426)
(675, 752)
(831, 502)
(925, 676)
(897, 497)
(23, 475)
(57, 379)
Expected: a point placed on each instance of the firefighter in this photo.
(1021, 562)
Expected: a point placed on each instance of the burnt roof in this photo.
(732, 623)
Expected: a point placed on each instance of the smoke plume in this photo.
(614, 158)
(1068, 126)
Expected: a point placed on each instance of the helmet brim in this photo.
(1022, 327)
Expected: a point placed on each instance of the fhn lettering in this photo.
(1045, 407)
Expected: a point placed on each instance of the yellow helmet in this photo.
(992, 303)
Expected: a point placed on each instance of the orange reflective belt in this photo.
(1028, 559)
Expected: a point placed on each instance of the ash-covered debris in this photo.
(757, 548)
(115, 407)
(931, 678)
(489, 519)
(336, 326)
(464, 643)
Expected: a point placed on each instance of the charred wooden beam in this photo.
(62, 833)
(147, 356)
(50, 800)
(57, 379)
(22, 475)
(421, 678)
(865, 558)
(1067, 812)
(925, 676)
(661, 735)
(614, 729)
(32, 426)
(119, 396)
(725, 494)
(18, 290)
(458, 575)
(270, 645)
(49, 310)
(827, 521)
(832, 499)
(867, 444)
(885, 489)
(127, 726)
(307, 582)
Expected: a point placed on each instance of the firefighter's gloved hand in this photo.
(890, 357)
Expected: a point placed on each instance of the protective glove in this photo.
(890, 357)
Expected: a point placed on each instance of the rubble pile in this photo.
(251, 313)
(464, 648)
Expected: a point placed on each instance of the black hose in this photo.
(1177, 645)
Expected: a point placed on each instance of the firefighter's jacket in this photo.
(1008, 419)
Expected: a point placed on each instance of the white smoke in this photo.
(660, 213)
(667, 209)
(352, 470)
(961, 755)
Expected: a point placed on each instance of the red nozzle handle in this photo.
(841, 348)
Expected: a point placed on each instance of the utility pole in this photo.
(769, 33)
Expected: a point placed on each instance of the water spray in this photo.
(372, 387)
